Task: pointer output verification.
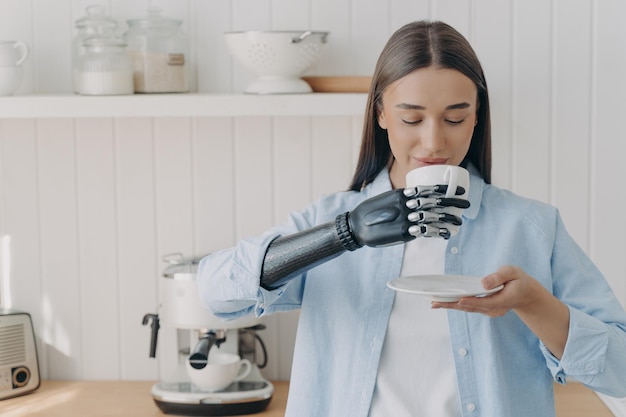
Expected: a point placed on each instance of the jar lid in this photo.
(96, 16)
(154, 19)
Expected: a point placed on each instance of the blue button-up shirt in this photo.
(502, 367)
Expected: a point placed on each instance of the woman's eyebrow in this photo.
(407, 106)
(463, 105)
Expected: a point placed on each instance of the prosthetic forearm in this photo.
(289, 255)
(393, 217)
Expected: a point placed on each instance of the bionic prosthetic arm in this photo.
(392, 217)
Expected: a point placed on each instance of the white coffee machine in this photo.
(185, 329)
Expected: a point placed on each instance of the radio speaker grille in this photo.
(12, 345)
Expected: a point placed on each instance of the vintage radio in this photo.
(19, 367)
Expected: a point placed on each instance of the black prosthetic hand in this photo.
(393, 217)
(402, 215)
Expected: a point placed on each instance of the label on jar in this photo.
(175, 59)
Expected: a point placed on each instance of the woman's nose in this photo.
(433, 137)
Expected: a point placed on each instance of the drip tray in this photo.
(183, 398)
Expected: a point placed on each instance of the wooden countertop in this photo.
(106, 399)
(133, 399)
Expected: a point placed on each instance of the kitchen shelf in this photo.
(182, 105)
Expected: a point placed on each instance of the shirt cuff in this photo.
(585, 349)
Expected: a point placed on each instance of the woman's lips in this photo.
(431, 161)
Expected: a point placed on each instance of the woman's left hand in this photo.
(520, 290)
(542, 312)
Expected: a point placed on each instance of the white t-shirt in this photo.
(416, 375)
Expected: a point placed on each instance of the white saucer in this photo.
(445, 288)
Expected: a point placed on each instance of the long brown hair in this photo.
(414, 46)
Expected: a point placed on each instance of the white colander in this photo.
(278, 58)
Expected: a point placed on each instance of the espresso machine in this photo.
(186, 332)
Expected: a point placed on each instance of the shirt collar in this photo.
(381, 183)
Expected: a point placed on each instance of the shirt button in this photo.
(471, 407)
(373, 343)
(462, 351)
(454, 250)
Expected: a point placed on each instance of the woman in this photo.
(362, 349)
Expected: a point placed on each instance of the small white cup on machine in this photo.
(221, 370)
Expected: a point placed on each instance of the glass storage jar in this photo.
(105, 68)
(159, 50)
(96, 22)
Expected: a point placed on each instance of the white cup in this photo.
(451, 175)
(12, 53)
(221, 370)
(10, 79)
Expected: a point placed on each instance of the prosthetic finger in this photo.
(430, 203)
(430, 190)
(429, 230)
(428, 217)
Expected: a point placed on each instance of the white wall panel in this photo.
(138, 263)
(370, 30)
(334, 17)
(20, 224)
(214, 184)
(492, 40)
(97, 251)
(532, 99)
(332, 154)
(454, 12)
(52, 34)
(254, 209)
(402, 12)
(174, 185)
(214, 64)
(290, 14)
(61, 286)
(291, 165)
(607, 152)
(570, 166)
